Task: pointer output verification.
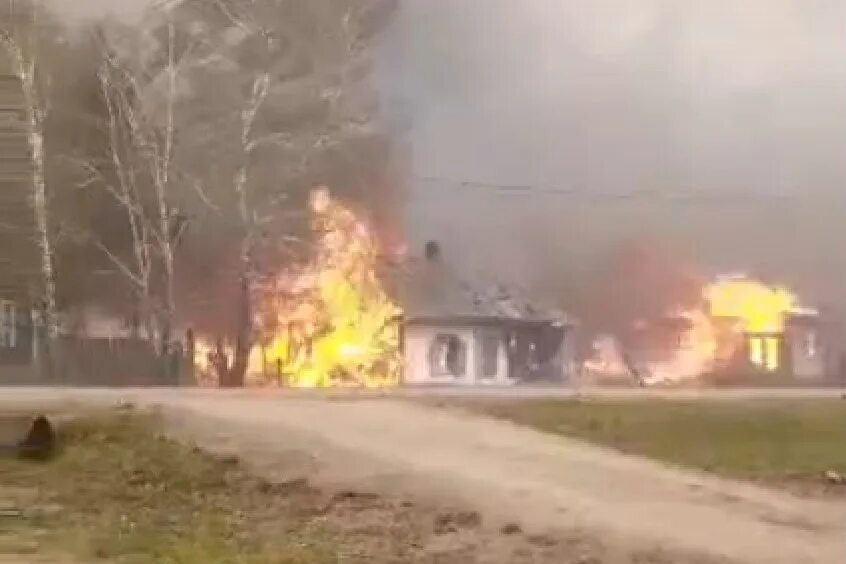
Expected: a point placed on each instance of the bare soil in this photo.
(550, 488)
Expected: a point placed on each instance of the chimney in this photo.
(433, 251)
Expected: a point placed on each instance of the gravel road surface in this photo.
(508, 473)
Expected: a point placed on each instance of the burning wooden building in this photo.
(805, 349)
(742, 327)
(343, 318)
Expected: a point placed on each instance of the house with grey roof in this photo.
(456, 334)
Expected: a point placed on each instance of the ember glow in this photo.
(323, 323)
(694, 356)
(757, 307)
(738, 317)
(760, 313)
(607, 358)
(330, 322)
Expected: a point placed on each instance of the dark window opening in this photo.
(448, 356)
(490, 355)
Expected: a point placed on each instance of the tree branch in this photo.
(137, 280)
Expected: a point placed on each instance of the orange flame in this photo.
(737, 313)
(757, 307)
(331, 321)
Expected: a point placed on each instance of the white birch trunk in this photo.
(241, 186)
(162, 184)
(42, 221)
(128, 197)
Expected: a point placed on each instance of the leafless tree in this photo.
(294, 77)
(228, 104)
(118, 173)
(141, 125)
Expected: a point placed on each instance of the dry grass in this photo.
(118, 491)
(789, 442)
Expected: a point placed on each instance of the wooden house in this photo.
(19, 262)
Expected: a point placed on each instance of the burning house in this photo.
(742, 327)
(342, 318)
(766, 329)
(454, 334)
(804, 349)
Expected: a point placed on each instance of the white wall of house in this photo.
(419, 340)
(807, 354)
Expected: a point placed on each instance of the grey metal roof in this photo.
(430, 290)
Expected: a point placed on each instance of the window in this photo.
(811, 345)
(490, 355)
(448, 356)
(8, 327)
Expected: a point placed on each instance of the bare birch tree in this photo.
(243, 97)
(118, 173)
(141, 124)
(280, 62)
(20, 40)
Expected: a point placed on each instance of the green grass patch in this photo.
(760, 439)
(118, 492)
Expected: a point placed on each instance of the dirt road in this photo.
(509, 474)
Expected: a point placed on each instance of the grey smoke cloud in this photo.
(733, 109)
(743, 99)
(82, 11)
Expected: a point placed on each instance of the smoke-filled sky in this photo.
(717, 128)
(723, 121)
(77, 11)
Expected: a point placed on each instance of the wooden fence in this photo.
(112, 362)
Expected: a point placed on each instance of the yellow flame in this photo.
(753, 319)
(332, 323)
(756, 352)
(758, 308)
(772, 348)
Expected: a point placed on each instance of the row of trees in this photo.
(176, 153)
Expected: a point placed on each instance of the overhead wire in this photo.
(590, 195)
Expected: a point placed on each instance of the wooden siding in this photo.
(19, 266)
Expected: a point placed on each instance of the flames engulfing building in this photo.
(454, 334)
(742, 328)
(765, 329)
(805, 349)
(333, 320)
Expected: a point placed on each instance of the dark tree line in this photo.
(179, 151)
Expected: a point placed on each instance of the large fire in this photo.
(737, 315)
(327, 322)
(760, 313)
(757, 307)
(330, 321)
(695, 354)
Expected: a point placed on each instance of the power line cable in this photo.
(585, 194)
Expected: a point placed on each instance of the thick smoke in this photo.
(78, 12)
(715, 127)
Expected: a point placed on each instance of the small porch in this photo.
(479, 352)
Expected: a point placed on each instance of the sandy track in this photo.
(507, 472)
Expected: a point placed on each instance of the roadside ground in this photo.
(121, 491)
(795, 443)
